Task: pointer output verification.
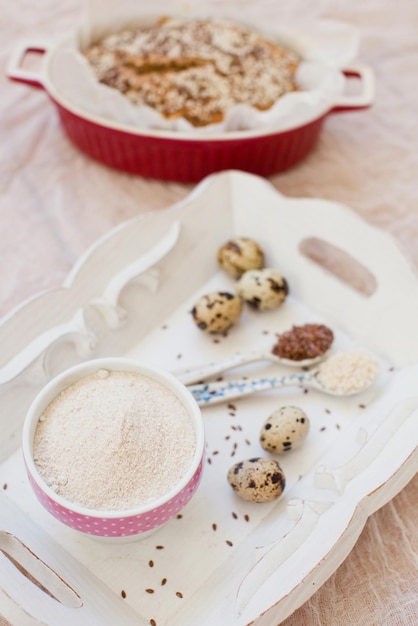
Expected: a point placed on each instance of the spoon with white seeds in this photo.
(342, 374)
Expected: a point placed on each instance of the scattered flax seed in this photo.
(247, 517)
(306, 390)
(163, 581)
(248, 442)
(235, 446)
(229, 543)
(179, 516)
(209, 460)
(179, 594)
(151, 563)
(391, 369)
(153, 622)
(322, 428)
(123, 593)
(327, 411)
(5, 486)
(231, 414)
(233, 453)
(216, 341)
(214, 527)
(159, 547)
(232, 407)
(215, 452)
(227, 437)
(149, 590)
(219, 379)
(234, 515)
(362, 406)
(337, 426)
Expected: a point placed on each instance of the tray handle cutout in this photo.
(339, 263)
(37, 572)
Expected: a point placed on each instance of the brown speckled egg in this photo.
(257, 480)
(264, 289)
(217, 311)
(284, 430)
(238, 255)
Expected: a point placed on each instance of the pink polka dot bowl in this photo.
(114, 525)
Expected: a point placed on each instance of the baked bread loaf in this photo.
(194, 68)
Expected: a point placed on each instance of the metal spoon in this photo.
(224, 391)
(212, 369)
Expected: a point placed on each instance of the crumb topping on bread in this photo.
(194, 68)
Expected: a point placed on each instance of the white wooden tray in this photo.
(224, 560)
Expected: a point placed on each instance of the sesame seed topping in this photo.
(194, 68)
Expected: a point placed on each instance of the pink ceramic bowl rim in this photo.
(71, 375)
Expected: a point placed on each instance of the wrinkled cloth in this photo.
(55, 202)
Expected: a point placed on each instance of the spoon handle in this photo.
(214, 393)
(203, 372)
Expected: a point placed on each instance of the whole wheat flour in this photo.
(113, 441)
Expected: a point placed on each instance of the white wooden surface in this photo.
(131, 294)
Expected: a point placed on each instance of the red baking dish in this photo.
(179, 156)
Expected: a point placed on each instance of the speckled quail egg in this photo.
(284, 430)
(238, 255)
(217, 311)
(257, 480)
(264, 289)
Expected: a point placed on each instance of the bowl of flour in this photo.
(114, 448)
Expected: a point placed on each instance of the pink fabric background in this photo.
(54, 203)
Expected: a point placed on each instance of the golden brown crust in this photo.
(196, 69)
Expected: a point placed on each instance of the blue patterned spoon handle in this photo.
(214, 393)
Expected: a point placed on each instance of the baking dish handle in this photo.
(351, 102)
(16, 71)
